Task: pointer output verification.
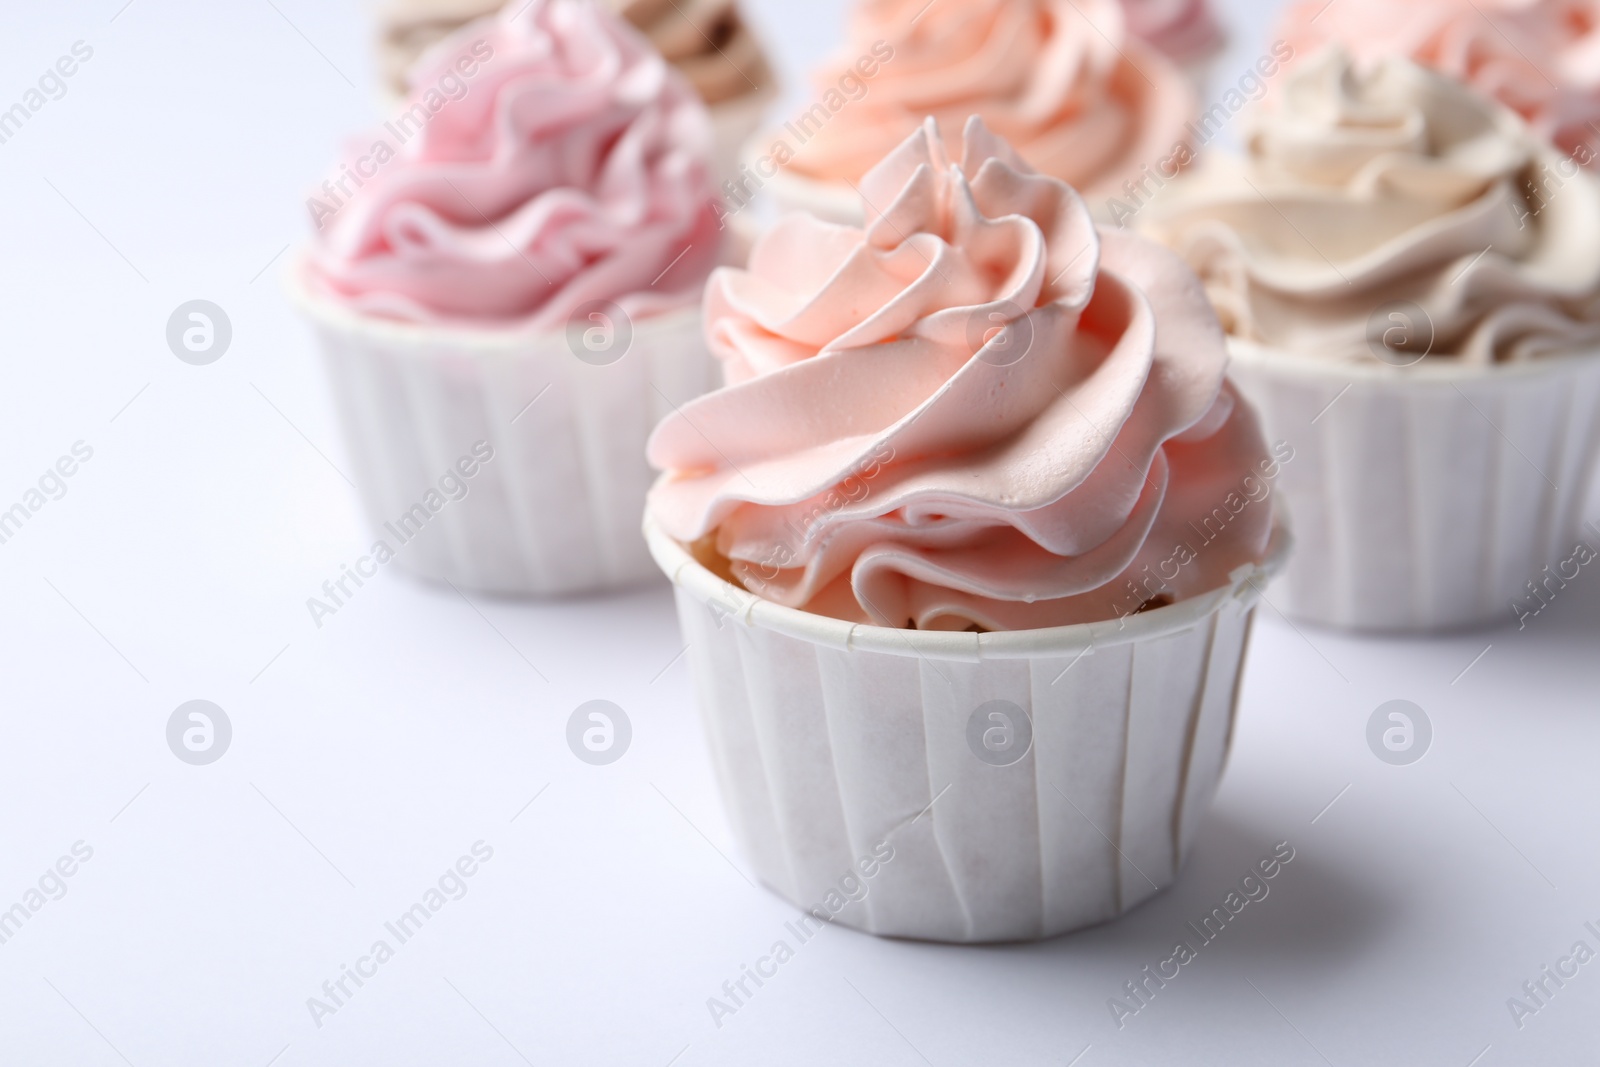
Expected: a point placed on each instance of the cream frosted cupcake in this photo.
(506, 278)
(1411, 281)
(707, 40)
(965, 551)
(1062, 80)
(1541, 58)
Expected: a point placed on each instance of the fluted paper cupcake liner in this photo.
(835, 743)
(557, 508)
(1424, 497)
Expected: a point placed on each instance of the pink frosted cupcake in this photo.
(707, 40)
(965, 551)
(510, 269)
(1541, 58)
(1411, 281)
(1062, 80)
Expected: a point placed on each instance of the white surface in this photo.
(368, 755)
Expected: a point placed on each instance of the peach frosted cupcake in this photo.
(965, 551)
(506, 280)
(707, 40)
(1411, 280)
(1062, 80)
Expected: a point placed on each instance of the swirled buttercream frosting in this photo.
(977, 412)
(1367, 187)
(544, 159)
(1541, 58)
(1061, 80)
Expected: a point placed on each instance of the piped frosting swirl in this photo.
(1061, 80)
(546, 158)
(1362, 187)
(1541, 58)
(977, 412)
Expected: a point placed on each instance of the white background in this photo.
(368, 755)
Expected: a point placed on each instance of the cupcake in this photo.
(965, 552)
(707, 40)
(1541, 58)
(1062, 80)
(505, 279)
(1410, 279)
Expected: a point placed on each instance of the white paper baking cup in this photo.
(557, 510)
(1424, 497)
(829, 738)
